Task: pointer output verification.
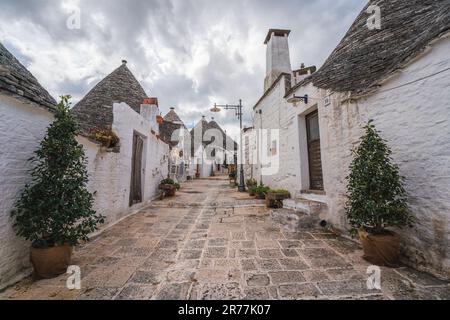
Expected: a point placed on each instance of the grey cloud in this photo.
(161, 39)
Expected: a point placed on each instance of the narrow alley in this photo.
(211, 242)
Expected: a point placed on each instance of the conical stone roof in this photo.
(95, 109)
(16, 80)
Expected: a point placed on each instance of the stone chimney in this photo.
(149, 111)
(278, 60)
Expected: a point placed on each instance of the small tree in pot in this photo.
(376, 199)
(55, 211)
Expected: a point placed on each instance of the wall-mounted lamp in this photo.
(297, 99)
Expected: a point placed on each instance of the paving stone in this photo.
(313, 244)
(345, 274)
(293, 264)
(298, 291)
(298, 236)
(211, 276)
(286, 277)
(249, 244)
(174, 291)
(98, 293)
(248, 265)
(270, 253)
(217, 242)
(168, 244)
(257, 280)
(247, 253)
(290, 253)
(190, 254)
(267, 244)
(195, 244)
(106, 261)
(290, 244)
(136, 292)
(215, 252)
(229, 291)
(126, 242)
(315, 275)
(256, 294)
(180, 276)
(268, 264)
(146, 277)
(345, 288)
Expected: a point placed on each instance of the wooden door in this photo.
(314, 152)
(136, 171)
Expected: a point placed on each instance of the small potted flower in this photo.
(261, 191)
(169, 187)
(159, 119)
(232, 177)
(251, 184)
(274, 198)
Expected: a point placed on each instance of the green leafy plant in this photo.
(280, 191)
(261, 189)
(55, 208)
(376, 196)
(232, 175)
(251, 183)
(167, 181)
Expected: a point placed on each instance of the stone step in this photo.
(306, 206)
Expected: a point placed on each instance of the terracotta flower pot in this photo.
(381, 249)
(261, 196)
(169, 190)
(51, 262)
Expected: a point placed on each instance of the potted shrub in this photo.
(169, 187)
(251, 184)
(54, 211)
(261, 191)
(274, 198)
(232, 177)
(376, 199)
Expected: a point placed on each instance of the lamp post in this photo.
(239, 114)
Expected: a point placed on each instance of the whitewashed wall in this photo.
(22, 128)
(415, 119)
(110, 173)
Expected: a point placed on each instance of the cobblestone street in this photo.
(210, 242)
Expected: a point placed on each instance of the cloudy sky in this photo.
(188, 53)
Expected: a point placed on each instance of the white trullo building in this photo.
(399, 76)
(124, 176)
(175, 133)
(211, 148)
(26, 110)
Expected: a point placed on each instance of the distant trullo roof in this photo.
(16, 80)
(172, 122)
(365, 57)
(204, 126)
(95, 109)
